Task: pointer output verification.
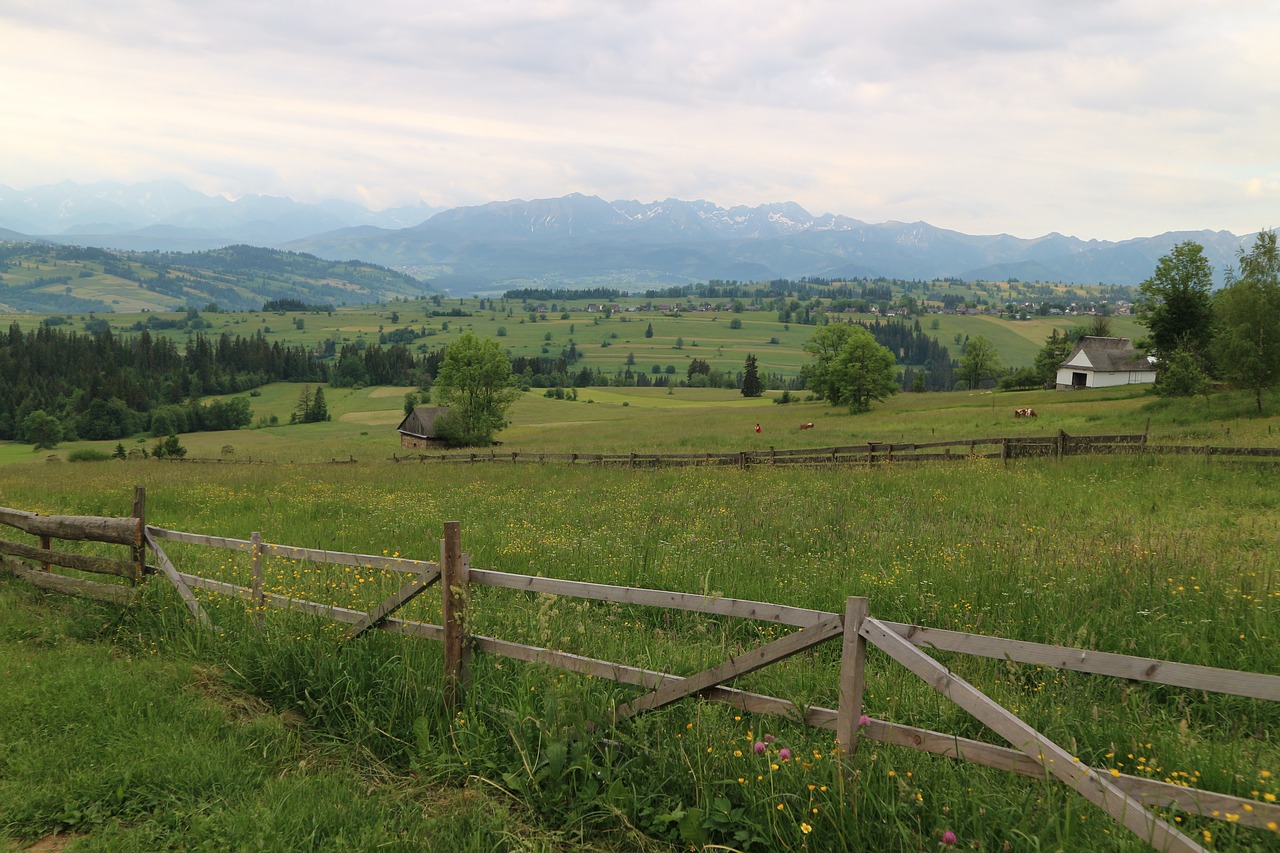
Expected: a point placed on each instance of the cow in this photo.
(1024, 413)
(807, 426)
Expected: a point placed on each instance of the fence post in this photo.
(139, 551)
(453, 595)
(259, 604)
(853, 658)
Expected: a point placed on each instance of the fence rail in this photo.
(1122, 796)
(873, 452)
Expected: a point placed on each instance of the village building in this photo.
(418, 429)
(1103, 363)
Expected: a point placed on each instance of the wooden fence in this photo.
(1124, 797)
(117, 531)
(871, 453)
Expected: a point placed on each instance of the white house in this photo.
(1104, 362)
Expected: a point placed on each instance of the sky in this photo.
(1104, 120)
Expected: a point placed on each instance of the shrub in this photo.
(88, 454)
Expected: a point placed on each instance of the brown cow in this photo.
(807, 426)
(1024, 413)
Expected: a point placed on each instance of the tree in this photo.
(849, 367)
(1246, 339)
(1050, 357)
(1098, 326)
(1181, 375)
(318, 411)
(1176, 304)
(648, 331)
(980, 361)
(752, 386)
(475, 382)
(42, 429)
(410, 401)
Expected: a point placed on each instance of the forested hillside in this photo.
(47, 278)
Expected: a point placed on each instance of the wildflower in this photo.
(781, 806)
(759, 747)
(948, 839)
(805, 828)
(769, 738)
(864, 721)
(784, 754)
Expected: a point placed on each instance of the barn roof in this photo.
(1106, 354)
(421, 422)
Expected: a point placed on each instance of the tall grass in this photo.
(1164, 558)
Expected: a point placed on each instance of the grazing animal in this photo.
(1024, 413)
(807, 426)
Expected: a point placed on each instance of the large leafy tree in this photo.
(980, 361)
(849, 367)
(1246, 339)
(1176, 303)
(476, 384)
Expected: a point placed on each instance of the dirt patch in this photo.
(240, 706)
(54, 843)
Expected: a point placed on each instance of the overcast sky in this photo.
(1096, 119)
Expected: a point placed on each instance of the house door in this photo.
(1079, 380)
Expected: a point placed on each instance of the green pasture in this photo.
(1169, 558)
(693, 420)
(611, 345)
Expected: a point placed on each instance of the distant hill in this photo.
(50, 278)
(579, 240)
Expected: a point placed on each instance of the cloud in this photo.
(1102, 119)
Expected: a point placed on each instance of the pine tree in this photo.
(752, 386)
(317, 411)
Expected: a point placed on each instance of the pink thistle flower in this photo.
(948, 839)
(864, 721)
(784, 754)
(769, 738)
(759, 747)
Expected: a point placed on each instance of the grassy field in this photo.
(1172, 558)
(603, 344)
(623, 420)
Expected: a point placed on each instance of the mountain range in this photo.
(580, 240)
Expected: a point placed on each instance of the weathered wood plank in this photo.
(853, 656)
(1056, 761)
(649, 679)
(179, 584)
(79, 562)
(743, 608)
(315, 555)
(757, 658)
(198, 539)
(118, 531)
(398, 599)
(69, 586)
(314, 608)
(1251, 684)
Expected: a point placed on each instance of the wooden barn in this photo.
(418, 429)
(1104, 362)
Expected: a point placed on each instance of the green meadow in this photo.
(608, 344)
(1164, 557)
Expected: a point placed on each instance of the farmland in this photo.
(1012, 551)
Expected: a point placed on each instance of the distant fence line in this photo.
(871, 453)
(1123, 797)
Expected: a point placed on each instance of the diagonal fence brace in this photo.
(757, 658)
(166, 568)
(1054, 759)
(421, 581)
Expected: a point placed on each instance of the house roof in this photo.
(421, 422)
(1106, 354)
